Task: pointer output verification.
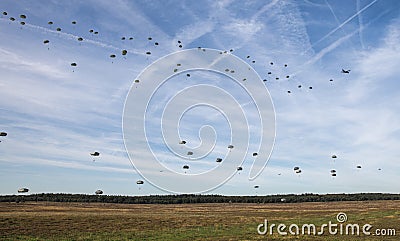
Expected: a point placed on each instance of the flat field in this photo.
(97, 221)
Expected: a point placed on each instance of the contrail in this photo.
(333, 13)
(360, 24)
(345, 22)
(337, 43)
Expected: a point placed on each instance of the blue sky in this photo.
(56, 114)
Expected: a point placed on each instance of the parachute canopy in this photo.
(296, 168)
(98, 192)
(190, 153)
(124, 52)
(334, 156)
(182, 142)
(73, 64)
(358, 166)
(239, 168)
(255, 154)
(22, 190)
(3, 133)
(46, 41)
(256, 186)
(219, 160)
(230, 146)
(139, 182)
(23, 16)
(95, 153)
(185, 167)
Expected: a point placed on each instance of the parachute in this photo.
(22, 190)
(123, 38)
(256, 186)
(148, 53)
(124, 52)
(230, 147)
(186, 167)
(98, 192)
(182, 142)
(22, 16)
(334, 156)
(73, 22)
(3, 133)
(112, 56)
(219, 160)
(46, 41)
(296, 168)
(73, 64)
(239, 168)
(58, 29)
(139, 182)
(333, 171)
(80, 39)
(190, 153)
(22, 23)
(137, 81)
(358, 166)
(149, 38)
(255, 154)
(12, 19)
(156, 43)
(5, 13)
(333, 174)
(49, 22)
(95, 153)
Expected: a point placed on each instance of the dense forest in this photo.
(195, 198)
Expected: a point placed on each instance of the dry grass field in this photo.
(96, 221)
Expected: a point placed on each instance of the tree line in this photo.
(196, 198)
